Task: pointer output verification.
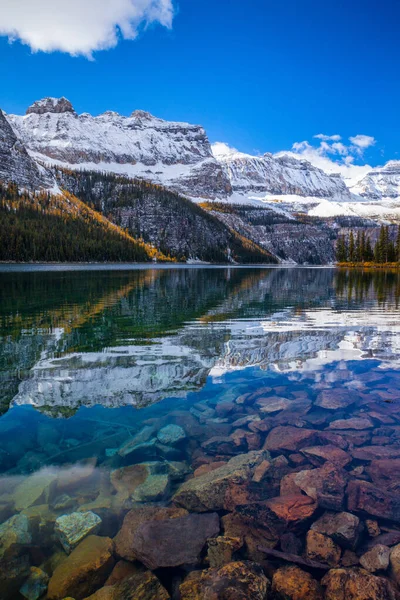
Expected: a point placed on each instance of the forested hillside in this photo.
(173, 224)
(45, 227)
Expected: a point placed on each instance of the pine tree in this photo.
(341, 249)
(352, 254)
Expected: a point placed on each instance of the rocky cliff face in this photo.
(177, 155)
(15, 162)
(380, 183)
(278, 175)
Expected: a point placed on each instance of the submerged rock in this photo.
(355, 584)
(326, 485)
(376, 559)
(289, 438)
(318, 455)
(335, 398)
(221, 550)
(153, 489)
(35, 489)
(143, 585)
(366, 498)
(292, 583)
(344, 528)
(125, 538)
(36, 584)
(72, 529)
(223, 488)
(15, 536)
(322, 548)
(170, 435)
(174, 542)
(235, 581)
(84, 571)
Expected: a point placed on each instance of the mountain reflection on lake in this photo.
(257, 398)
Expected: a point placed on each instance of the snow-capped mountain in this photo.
(15, 162)
(381, 182)
(283, 175)
(177, 155)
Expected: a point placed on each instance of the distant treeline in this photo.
(60, 228)
(358, 248)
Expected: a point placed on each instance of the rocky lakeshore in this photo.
(278, 493)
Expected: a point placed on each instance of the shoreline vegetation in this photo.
(368, 265)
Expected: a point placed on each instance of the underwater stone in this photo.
(36, 584)
(84, 570)
(174, 542)
(134, 519)
(171, 435)
(344, 528)
(292, 583)
(376, 559)
(222, 488)
(238, 580)
(154, 489)
(14, 536)
(34, 489)
(71, 529)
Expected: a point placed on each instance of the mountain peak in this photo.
(51, 105)
(142, 115)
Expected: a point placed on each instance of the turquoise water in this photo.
(95, 363)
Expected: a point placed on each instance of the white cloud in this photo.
(79, 27)
(362, 141)
(328, 138)
(333, 157)
(221, 150)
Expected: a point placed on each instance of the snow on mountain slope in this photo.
(382, 182)
(177, 155)
(15, 162)
(283, 175)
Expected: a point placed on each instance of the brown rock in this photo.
(372, 527)
(349, 559)
(174, 542)
(208, 467)
(344, 528)
(253, 535)
(354, 584)
(127, 479)
(322, 548)
(124, 539)
(272, 404)
(395, 564)
(85, 569)
(223, 488)
(235, 581)
(353, 423)
(370, 453)
(122, 570)
(292, 583)
(279, 514)
(367, 498)
(143, 585)
(221, 550)
(318, 455)
(290, 543)
(384, 472)
(289, 438)
(326, 485)
(336, 398)
(376, 559)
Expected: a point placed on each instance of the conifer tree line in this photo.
(357, 248)
(51, 228)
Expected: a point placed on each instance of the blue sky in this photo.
(259, 75)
